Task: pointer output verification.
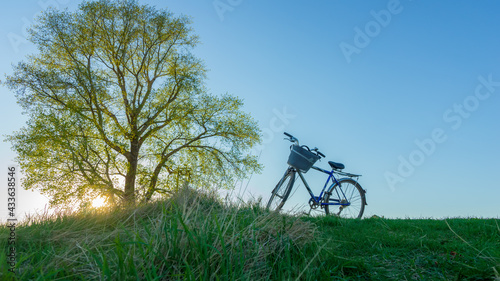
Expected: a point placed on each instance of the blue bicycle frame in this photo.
(331, 176)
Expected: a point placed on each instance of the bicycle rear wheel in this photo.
(349, 193)
(280, 193)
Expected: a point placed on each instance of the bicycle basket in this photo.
(301, 159)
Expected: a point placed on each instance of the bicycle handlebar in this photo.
(291, 138)
(296, 141)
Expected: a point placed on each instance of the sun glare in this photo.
(98, 202)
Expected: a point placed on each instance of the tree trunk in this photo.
(129, 191)
(153, 182)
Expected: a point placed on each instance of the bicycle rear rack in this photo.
(346, 174)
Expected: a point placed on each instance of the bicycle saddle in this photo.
(334, 165)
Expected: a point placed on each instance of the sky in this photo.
(406, 93)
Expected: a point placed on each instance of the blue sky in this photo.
(405, 93)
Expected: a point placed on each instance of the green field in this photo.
(200, 237)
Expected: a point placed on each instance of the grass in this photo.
(195, 236)
(409, 249)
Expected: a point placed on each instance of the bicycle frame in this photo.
(331, 176)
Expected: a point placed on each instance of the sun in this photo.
(98, 202)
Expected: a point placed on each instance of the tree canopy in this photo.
(117, 107)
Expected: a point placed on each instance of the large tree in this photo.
(117, 106)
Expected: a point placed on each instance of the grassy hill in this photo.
(200, 237)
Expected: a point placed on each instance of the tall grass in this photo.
(192, 236)
(198, 236)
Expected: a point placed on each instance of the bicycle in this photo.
(346, 192)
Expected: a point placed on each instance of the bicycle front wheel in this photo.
(348, 197)
(280, 193)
